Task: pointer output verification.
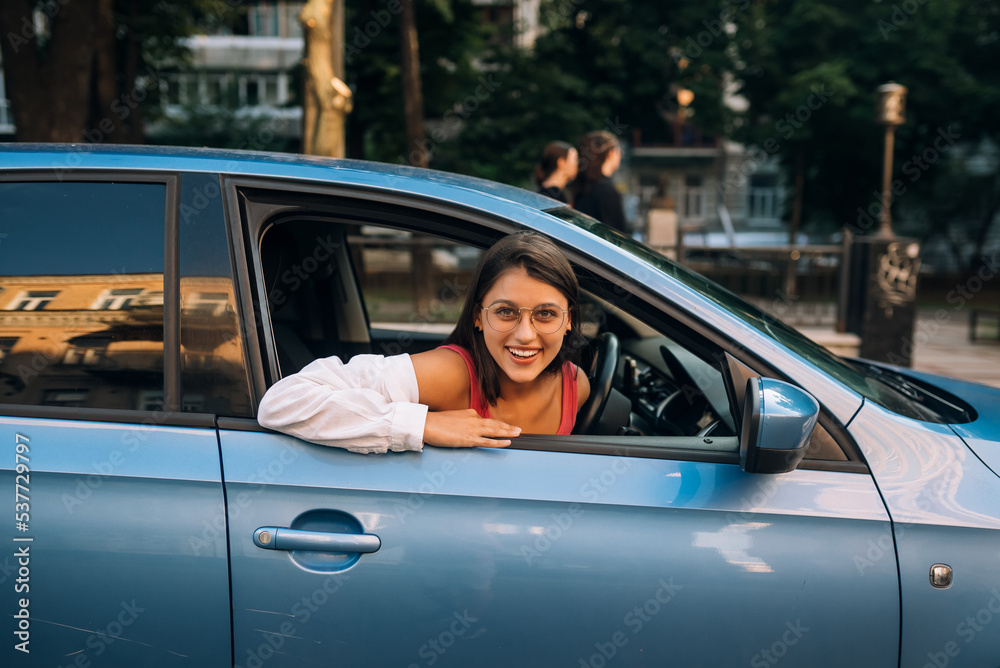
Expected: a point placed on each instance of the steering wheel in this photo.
(601, 373)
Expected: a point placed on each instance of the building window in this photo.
(6, 117)
(288, 13)
(189, 89)
(193, 403)
(252, 88)
(89, 350)
(763, 196)
(274, 19)
(116, 299)
(150, 400)
(33, 300)
(5, 346)
(65, 398)
(228, 90)
(694, 198)
(207, 303)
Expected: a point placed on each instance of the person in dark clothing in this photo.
(596, 196)
(557, 168)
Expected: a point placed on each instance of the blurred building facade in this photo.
(6, 118)
(247, 71)
(708, 189)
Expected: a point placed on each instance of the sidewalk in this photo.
(944, 348)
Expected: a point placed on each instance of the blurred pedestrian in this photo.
(557, 168)
(595, 195)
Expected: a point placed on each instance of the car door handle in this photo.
(274, 538)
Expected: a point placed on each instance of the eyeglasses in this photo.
(546, 319)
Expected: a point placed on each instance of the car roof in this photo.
(66, 158)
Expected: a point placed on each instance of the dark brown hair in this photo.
(551, 154)
(543, 261)
(593, 151)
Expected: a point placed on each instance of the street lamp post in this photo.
(684, 99)
(880, 270)
(891, 112)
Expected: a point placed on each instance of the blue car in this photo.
(734, 495)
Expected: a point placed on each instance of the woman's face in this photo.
(523, 353)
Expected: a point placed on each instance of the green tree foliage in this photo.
(136, 41)
(450, 39)
(787, 50)
(86, 70)
(599, 65)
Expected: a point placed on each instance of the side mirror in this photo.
(778, 420)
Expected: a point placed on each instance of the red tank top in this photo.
(569, 396)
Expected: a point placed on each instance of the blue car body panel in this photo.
(128, 538)
(982, 435)
(942, 500)
(625, 558)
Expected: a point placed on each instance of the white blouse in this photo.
(369, 405)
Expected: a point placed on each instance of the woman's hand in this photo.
(466, 429)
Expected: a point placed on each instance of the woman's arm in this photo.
(369, 405)
(374, 404)
(444, 385)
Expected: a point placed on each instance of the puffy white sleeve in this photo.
(369, 405)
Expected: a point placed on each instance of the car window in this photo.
(406, 288)
(413, 285)
(341, 287)
(213, 369)
(81, 295)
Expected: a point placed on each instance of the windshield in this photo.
(869, 384)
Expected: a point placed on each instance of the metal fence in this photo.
(800, 285)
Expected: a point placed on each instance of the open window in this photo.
(345, 281)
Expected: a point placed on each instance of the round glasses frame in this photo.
(548, 328)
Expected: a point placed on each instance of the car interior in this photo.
(365, 282)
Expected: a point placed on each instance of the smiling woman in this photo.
(497, 375)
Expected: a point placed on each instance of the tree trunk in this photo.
(115, 115)
(133, 130)
(310, 111)
(104, 84)
(48, 81)
(328, 99)
(413, 97)
(416, 145)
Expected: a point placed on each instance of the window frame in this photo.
(171, 294)
(452, 221)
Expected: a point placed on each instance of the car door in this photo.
(115, 550)
(576, 550)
